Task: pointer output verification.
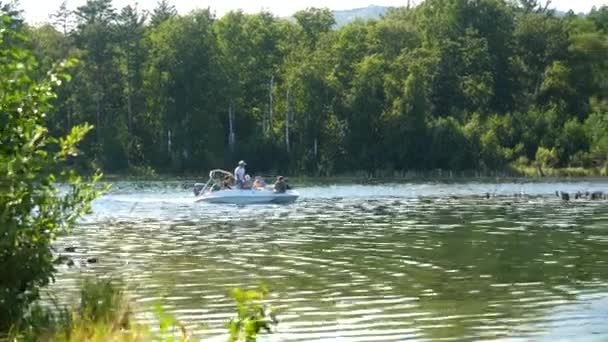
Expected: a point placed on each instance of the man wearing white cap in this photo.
(239, 173)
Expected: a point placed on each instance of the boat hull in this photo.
(242, 197)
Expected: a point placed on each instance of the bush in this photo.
(581, 159)
(546, 157)
(522, 161)
(33, 212)
(449, 148)
(104, 314)
(252, 315)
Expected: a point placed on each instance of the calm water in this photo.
(363, 263)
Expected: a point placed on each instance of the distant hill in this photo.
(344, 17)
(370, 12)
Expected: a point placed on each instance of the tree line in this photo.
(447, 84)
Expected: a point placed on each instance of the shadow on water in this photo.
(390, 262)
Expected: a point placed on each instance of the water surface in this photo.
(392, 262)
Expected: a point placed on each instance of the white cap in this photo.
(242, 162)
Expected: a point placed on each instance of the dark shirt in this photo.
(280, 187)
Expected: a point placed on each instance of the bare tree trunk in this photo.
(540, 170)
(69, 116)
(270, 101)
(129, 104)
(231, 135)
(287, 119)
(164, 130)
(98, 127)
(169, 142)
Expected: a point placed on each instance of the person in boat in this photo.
(248, 183)
(239, 173)
(259, 183)
(280, 186)
(226, 183)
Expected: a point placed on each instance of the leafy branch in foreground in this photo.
(36, 205)
(252, 315)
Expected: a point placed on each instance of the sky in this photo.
(37, 11)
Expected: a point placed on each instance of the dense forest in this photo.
(448, 84)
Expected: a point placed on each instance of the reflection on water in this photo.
(364, 263)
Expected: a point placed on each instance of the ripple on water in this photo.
(361, 263)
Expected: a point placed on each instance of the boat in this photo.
(212, 192)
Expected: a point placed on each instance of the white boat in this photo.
(211, 192)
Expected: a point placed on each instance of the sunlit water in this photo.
(387, 262)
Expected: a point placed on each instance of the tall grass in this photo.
(104, 313)
(569, 172)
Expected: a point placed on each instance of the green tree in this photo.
(556, 82)
(34, 210)
(185, 93)
(573, 139)
(182, 92)
(545, 158)
(312, 91)
(596, 127)
(540, 39)
(448, 148)
(405, 125)
(96, 80)
(366, 103)
(130, 58)
(11, 9)
(314, 23)
(163, 11)
(63, 19)
(250, 46)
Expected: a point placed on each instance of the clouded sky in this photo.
(39, 10)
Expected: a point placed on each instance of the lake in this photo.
(390, 262)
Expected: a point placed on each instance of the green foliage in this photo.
(572, 144)
(495, 79)
(167, 324)
(163, 12)
(252, 316)
(101, 300)
(38, 202)
(597, 127)
(314, 22)
(546, 157)
(449, 145)
(104, 313)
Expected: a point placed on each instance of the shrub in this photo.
(545, 157)
(252, 316)
(33, 212)
(104, 313)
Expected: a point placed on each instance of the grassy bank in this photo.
(104, 313)
(568, 172)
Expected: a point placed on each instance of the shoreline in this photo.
(514, 172)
